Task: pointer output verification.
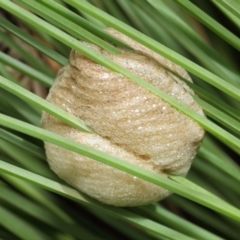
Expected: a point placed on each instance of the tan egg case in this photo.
(128, 121)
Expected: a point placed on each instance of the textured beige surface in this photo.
(129, 122)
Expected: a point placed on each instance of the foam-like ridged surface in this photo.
(129, 122)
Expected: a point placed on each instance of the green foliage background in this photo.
(201, 36)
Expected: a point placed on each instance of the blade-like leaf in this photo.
(200, 197)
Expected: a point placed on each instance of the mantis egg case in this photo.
(128, 122)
